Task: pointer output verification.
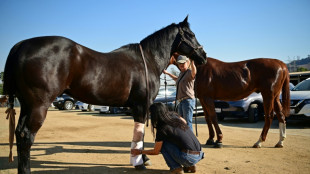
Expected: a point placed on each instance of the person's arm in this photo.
(155, 151)
(194, 69)
(171, 75)
(183, 119)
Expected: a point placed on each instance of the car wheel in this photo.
(68, 105)
(220, 117)
(253, 113)
(91, 108)
(113, 110)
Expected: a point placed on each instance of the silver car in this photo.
(250, 107)
(84, 106)
(300, 99)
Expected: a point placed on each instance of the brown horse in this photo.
(217, 80)
(39, 69)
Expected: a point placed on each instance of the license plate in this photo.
(218, 110)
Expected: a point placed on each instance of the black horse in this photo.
(39, 69)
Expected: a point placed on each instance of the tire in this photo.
(68, 105)
(113, 110)
(91, 108)
(220, 117)
(253, 113)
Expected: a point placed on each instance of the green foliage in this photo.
(1, 75)
(300, 69)
(1, 88)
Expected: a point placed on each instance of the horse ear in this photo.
(185, 23)
(185, 20)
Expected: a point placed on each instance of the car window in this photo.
(169, 91)
(302, 86)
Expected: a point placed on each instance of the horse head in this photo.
(187, 44)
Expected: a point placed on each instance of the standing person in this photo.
(185, 88)
(177, 143)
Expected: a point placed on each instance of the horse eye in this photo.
(190, 34)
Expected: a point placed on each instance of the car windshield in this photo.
(302, 86)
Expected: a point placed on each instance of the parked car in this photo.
(64, 102)
(102, 109)
(250, 107)
(168, 97)
(300, 99)
(84, 106)
(291, 86)
(112, 109)
(119, 110)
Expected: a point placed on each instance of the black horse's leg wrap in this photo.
(24, 141)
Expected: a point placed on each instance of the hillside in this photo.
(300, 63)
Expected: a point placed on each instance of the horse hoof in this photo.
(148, 163)
(140, 167)
(256, 146)
(218, 144)
(210, 142)
(278, 146)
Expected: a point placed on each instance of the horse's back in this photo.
(236, 80)
(38, 64)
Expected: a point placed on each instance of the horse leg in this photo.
(138, 161)
(210, 117)
(137, 143)
(210, 141)
(268, 108)
(29, 123)
(282, 122)
(218, 143)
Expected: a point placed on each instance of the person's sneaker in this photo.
(177, 171)
(191, 169)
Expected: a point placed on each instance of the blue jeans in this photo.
(175, 158)
(186, 109)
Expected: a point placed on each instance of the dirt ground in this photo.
(89, 142)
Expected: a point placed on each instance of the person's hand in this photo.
(135, 152)
(193, 62)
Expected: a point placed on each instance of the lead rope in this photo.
(165, 90)
(11, 117)
(147, 87)
(196, 118)
(195, 91)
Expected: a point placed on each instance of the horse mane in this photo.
(152, 41)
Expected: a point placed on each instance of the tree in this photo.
(300, 69)
(1, 75)
(1, 89)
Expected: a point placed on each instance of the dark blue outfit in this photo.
(180, 147)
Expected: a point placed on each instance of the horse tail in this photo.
(286, 95)
(9, 82)
(9, 88)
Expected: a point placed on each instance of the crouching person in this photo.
(174, 139)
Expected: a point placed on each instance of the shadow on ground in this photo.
(57, 167)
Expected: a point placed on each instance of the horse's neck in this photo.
(159, 56)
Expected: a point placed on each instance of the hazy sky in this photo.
(229, 30)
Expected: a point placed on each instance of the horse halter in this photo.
(183, 41)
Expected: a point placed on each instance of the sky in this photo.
(229, 30)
